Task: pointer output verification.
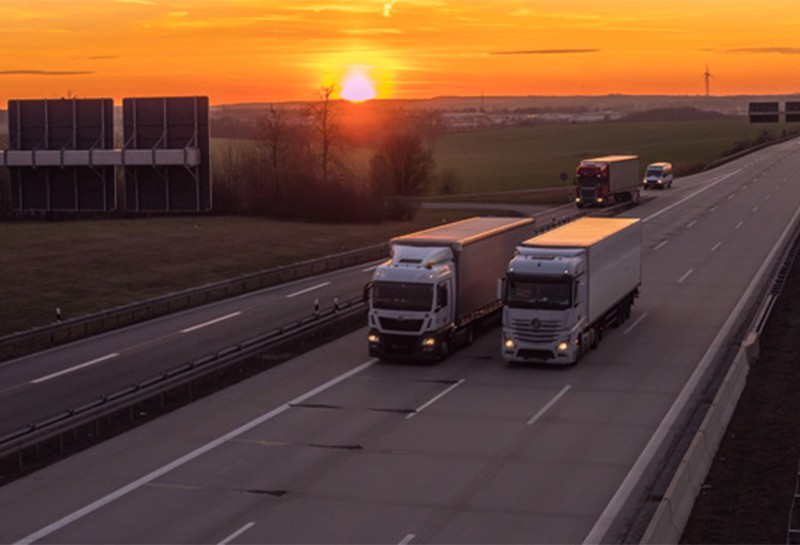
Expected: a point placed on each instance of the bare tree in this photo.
(401, 169)
(326, 129)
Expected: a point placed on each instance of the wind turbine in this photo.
(707, 76)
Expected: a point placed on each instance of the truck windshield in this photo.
(555, 294)
(402, 296)
(589, 181)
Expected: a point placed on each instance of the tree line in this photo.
(299, 170)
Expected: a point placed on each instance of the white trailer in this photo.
(440, 285)
(566, 286)
(607, 180)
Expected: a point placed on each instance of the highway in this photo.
(336, 447)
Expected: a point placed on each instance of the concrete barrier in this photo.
(675, 508)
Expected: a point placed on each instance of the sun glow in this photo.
(357, 86)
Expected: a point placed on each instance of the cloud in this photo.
(779, 50)
(545, 52)
(103, 57)
(387, 8)
(43, 73)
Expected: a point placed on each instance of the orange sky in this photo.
(280, 50)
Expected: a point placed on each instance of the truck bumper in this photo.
(515, 351)
(429, 347)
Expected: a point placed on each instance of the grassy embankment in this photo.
(86, 266)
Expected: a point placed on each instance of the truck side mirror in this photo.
(367, 291)
(501, 289)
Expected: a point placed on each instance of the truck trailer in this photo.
(604, 181)
(440, 286)
(564, 287)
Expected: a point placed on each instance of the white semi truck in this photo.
(564, 287)
(440, 285)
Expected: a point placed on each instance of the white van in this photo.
(658, 175)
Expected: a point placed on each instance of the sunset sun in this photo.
(357, 86)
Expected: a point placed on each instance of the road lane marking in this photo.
(683, 200)
(738, 225)
(685, 276)
(713, 208)
(237, 533)
(691, 223)
(435, 399)
(186, 458)
(634, 324)
(716, 246)
(210, 322)
(660, 245)
(766, 198)
(75, 368)
(731, 196)
(550, 403)
(408, 539)
(312, 288)
(368, 269)
(755, 209)
(667, 424)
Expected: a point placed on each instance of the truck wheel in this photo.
(444, 351)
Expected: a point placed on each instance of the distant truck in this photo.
(564, 287)
(604, 181)
(439, 286)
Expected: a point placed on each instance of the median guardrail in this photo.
(34, 446)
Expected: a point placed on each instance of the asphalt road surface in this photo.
(336, 447)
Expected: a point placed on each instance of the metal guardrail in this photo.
(44, 337)
(33, 446)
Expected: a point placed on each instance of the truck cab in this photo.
(412, 304)
(544, 314)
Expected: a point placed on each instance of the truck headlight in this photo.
(509, 344)
(373, 338)
(563, 346)
(599, 199)
(428, 341)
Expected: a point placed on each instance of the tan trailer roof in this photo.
(581, 233)
(464, 231)
(610, 159)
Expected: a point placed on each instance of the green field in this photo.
(533, 157)
(523, 158)
(88, 266)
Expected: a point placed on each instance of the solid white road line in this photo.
(368, 269)
(614, 507)
(312, 288)
(71, 369)
(660, 244)
(634, 324)
(186, 458)
(685, 276)
(550, 403)
(210, 322)
(237, 533)
(435, 399)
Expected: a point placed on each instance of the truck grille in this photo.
(536, 331)
(588, 195)
(393, 324)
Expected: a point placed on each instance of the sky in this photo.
(237, 51)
